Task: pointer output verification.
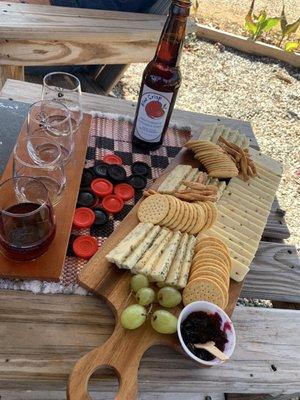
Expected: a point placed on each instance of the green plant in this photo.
(287, 30)
(257, 24)
(292, 46)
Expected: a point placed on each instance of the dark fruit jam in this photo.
(201, 327)
(26, 237)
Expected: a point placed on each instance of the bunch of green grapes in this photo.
(162, 321)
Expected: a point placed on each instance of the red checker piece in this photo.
(83, 217)
(112, 159)
(85, 246)
(102, 187)
(125, 191)
(112, 203)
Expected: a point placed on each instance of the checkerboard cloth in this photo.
(112, 134)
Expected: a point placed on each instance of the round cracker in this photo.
(172, 210)
(153, 209)
(204, 254)
(203, 289)
(211, 270)
(208, 215)
(210, 262)
(191, 220)
(210, 239)
(200, 220)
(215, 278)
(186, 214)
(177, 212)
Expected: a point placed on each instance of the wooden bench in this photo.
(36, 355)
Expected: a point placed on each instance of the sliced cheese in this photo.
(186, 265)
(238, 271)
(191, 177)
(174, 179)
(174, 271)
(133, 258)
(146, 263)
(160, 269)
(240, 218)
(129, 243)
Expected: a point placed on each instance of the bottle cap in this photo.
(140, 168)
(137, 181)
(83, 217)
(100, 170)
(85, 246)
(101, 187)
(101, 216)
(116, 173)
(112, 159)
(112, 203)
(87, 177)
(86, 199)
(124, 190)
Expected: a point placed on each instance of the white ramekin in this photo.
(211, 309)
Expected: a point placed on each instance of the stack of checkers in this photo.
(216, 162)
(175, 214)
(210, 273)
(159, 253)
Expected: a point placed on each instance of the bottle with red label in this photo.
(161, 81)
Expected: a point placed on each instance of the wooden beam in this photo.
(10, 72)
(43, 335)
(247, 45)
(274, 274)
(47, 35)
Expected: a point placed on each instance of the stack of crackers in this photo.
(210, 273)
(175, 214)
(217, 163)
(159, 253)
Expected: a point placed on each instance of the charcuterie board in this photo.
(49, 266)
(124, 349)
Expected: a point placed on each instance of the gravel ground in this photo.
(229, 15)
(259, 90)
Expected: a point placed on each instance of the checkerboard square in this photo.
(91, 153)
(159, 161)
(172, 151)
(103, 231)
(104, 143)
(126, 157)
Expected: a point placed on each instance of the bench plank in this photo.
(274, 274)
(42, 336)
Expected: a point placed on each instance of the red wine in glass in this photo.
(27, 228)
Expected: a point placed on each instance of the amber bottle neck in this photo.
(171, 41)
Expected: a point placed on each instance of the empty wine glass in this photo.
(27, 223)
(53, 120)
(66, 88)
(44, 166)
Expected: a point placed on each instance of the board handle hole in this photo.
(103, 380)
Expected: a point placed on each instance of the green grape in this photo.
(145, 296)
(160, 284)
(169, 297)
(133, 316)
(163, 321)
(138, 281)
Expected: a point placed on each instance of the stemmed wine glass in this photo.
(66, 88)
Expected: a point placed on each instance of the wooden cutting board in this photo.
(49, 266)
(124, 349)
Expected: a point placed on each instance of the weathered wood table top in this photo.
(42, 336)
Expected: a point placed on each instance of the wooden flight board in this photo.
(49, 266)
(124, 349)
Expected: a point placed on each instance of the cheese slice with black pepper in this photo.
(174, 271)
(174, 179)
(187, 262)
(133, 258)
(118, 254)
(160, 269)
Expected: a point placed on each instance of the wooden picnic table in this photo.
(42, 336)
